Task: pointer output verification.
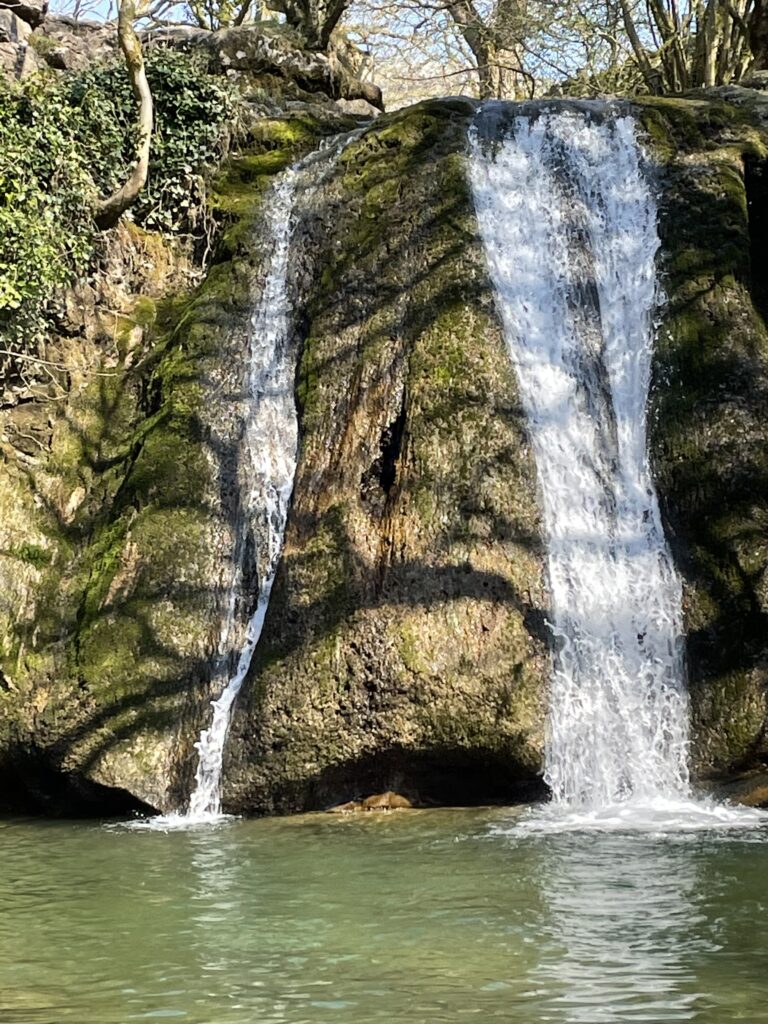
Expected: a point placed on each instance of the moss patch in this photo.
(709, 419)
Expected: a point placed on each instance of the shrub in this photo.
(65, 141)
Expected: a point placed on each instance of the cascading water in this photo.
(270, 452)
(270, 444)
(568, 223)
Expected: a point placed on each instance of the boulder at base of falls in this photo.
(388, 801)
(750, 789)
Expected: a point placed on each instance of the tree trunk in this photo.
(498, 72)
(651, 76)
(710, 43)
(758, 35)
(489, 82)
(110, 210)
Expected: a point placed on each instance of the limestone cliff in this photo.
(406, 641)
(710, 408)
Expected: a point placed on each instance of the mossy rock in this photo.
(406, 645)
(709, 415)
(397, 649)
(125, 526)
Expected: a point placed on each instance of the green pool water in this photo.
(430, 916)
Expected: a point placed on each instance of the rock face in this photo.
(114, 541)
(404, 645)
(405, 648)
(272, 49)
(30, 11)
(710, 410)
(17, 58)
(267, 58)
(68, 44)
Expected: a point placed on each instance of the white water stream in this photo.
(269, 454)
(270, 449)
(568, 222)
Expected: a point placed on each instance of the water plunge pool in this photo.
(422, 916)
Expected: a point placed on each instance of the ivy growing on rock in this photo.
(46, 195)
(65, 141)
(194, 117)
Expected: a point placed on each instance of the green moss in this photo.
(238, 190)
(708, 414)
(411, 650)
(144, 311)
(99, 566)
(287, 133)
(33, 554)
(686, 124)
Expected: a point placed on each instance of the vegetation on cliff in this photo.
(66, 140)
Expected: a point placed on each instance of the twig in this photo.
(47, 362)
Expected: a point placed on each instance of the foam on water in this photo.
(656, 816)
(568, 221)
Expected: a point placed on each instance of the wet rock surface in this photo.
(388, 801)
(405, 634)
(709, 411)
(406, 646)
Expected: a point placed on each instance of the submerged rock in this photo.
(388, 801)
(349, 807)
(750, 789)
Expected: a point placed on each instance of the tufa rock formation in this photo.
(406, 646)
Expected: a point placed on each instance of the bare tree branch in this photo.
(110, 210)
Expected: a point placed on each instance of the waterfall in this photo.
(568, 221)
(269, 449)
(269, 452)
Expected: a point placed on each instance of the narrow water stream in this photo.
(269, 451)
(269, 465)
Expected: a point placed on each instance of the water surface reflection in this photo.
(423, 918)
(623, 931)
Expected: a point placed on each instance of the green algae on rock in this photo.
(406, 645)
(709, 412)
(402, 647)
(121, 521)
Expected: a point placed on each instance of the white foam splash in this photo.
(568, 222)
